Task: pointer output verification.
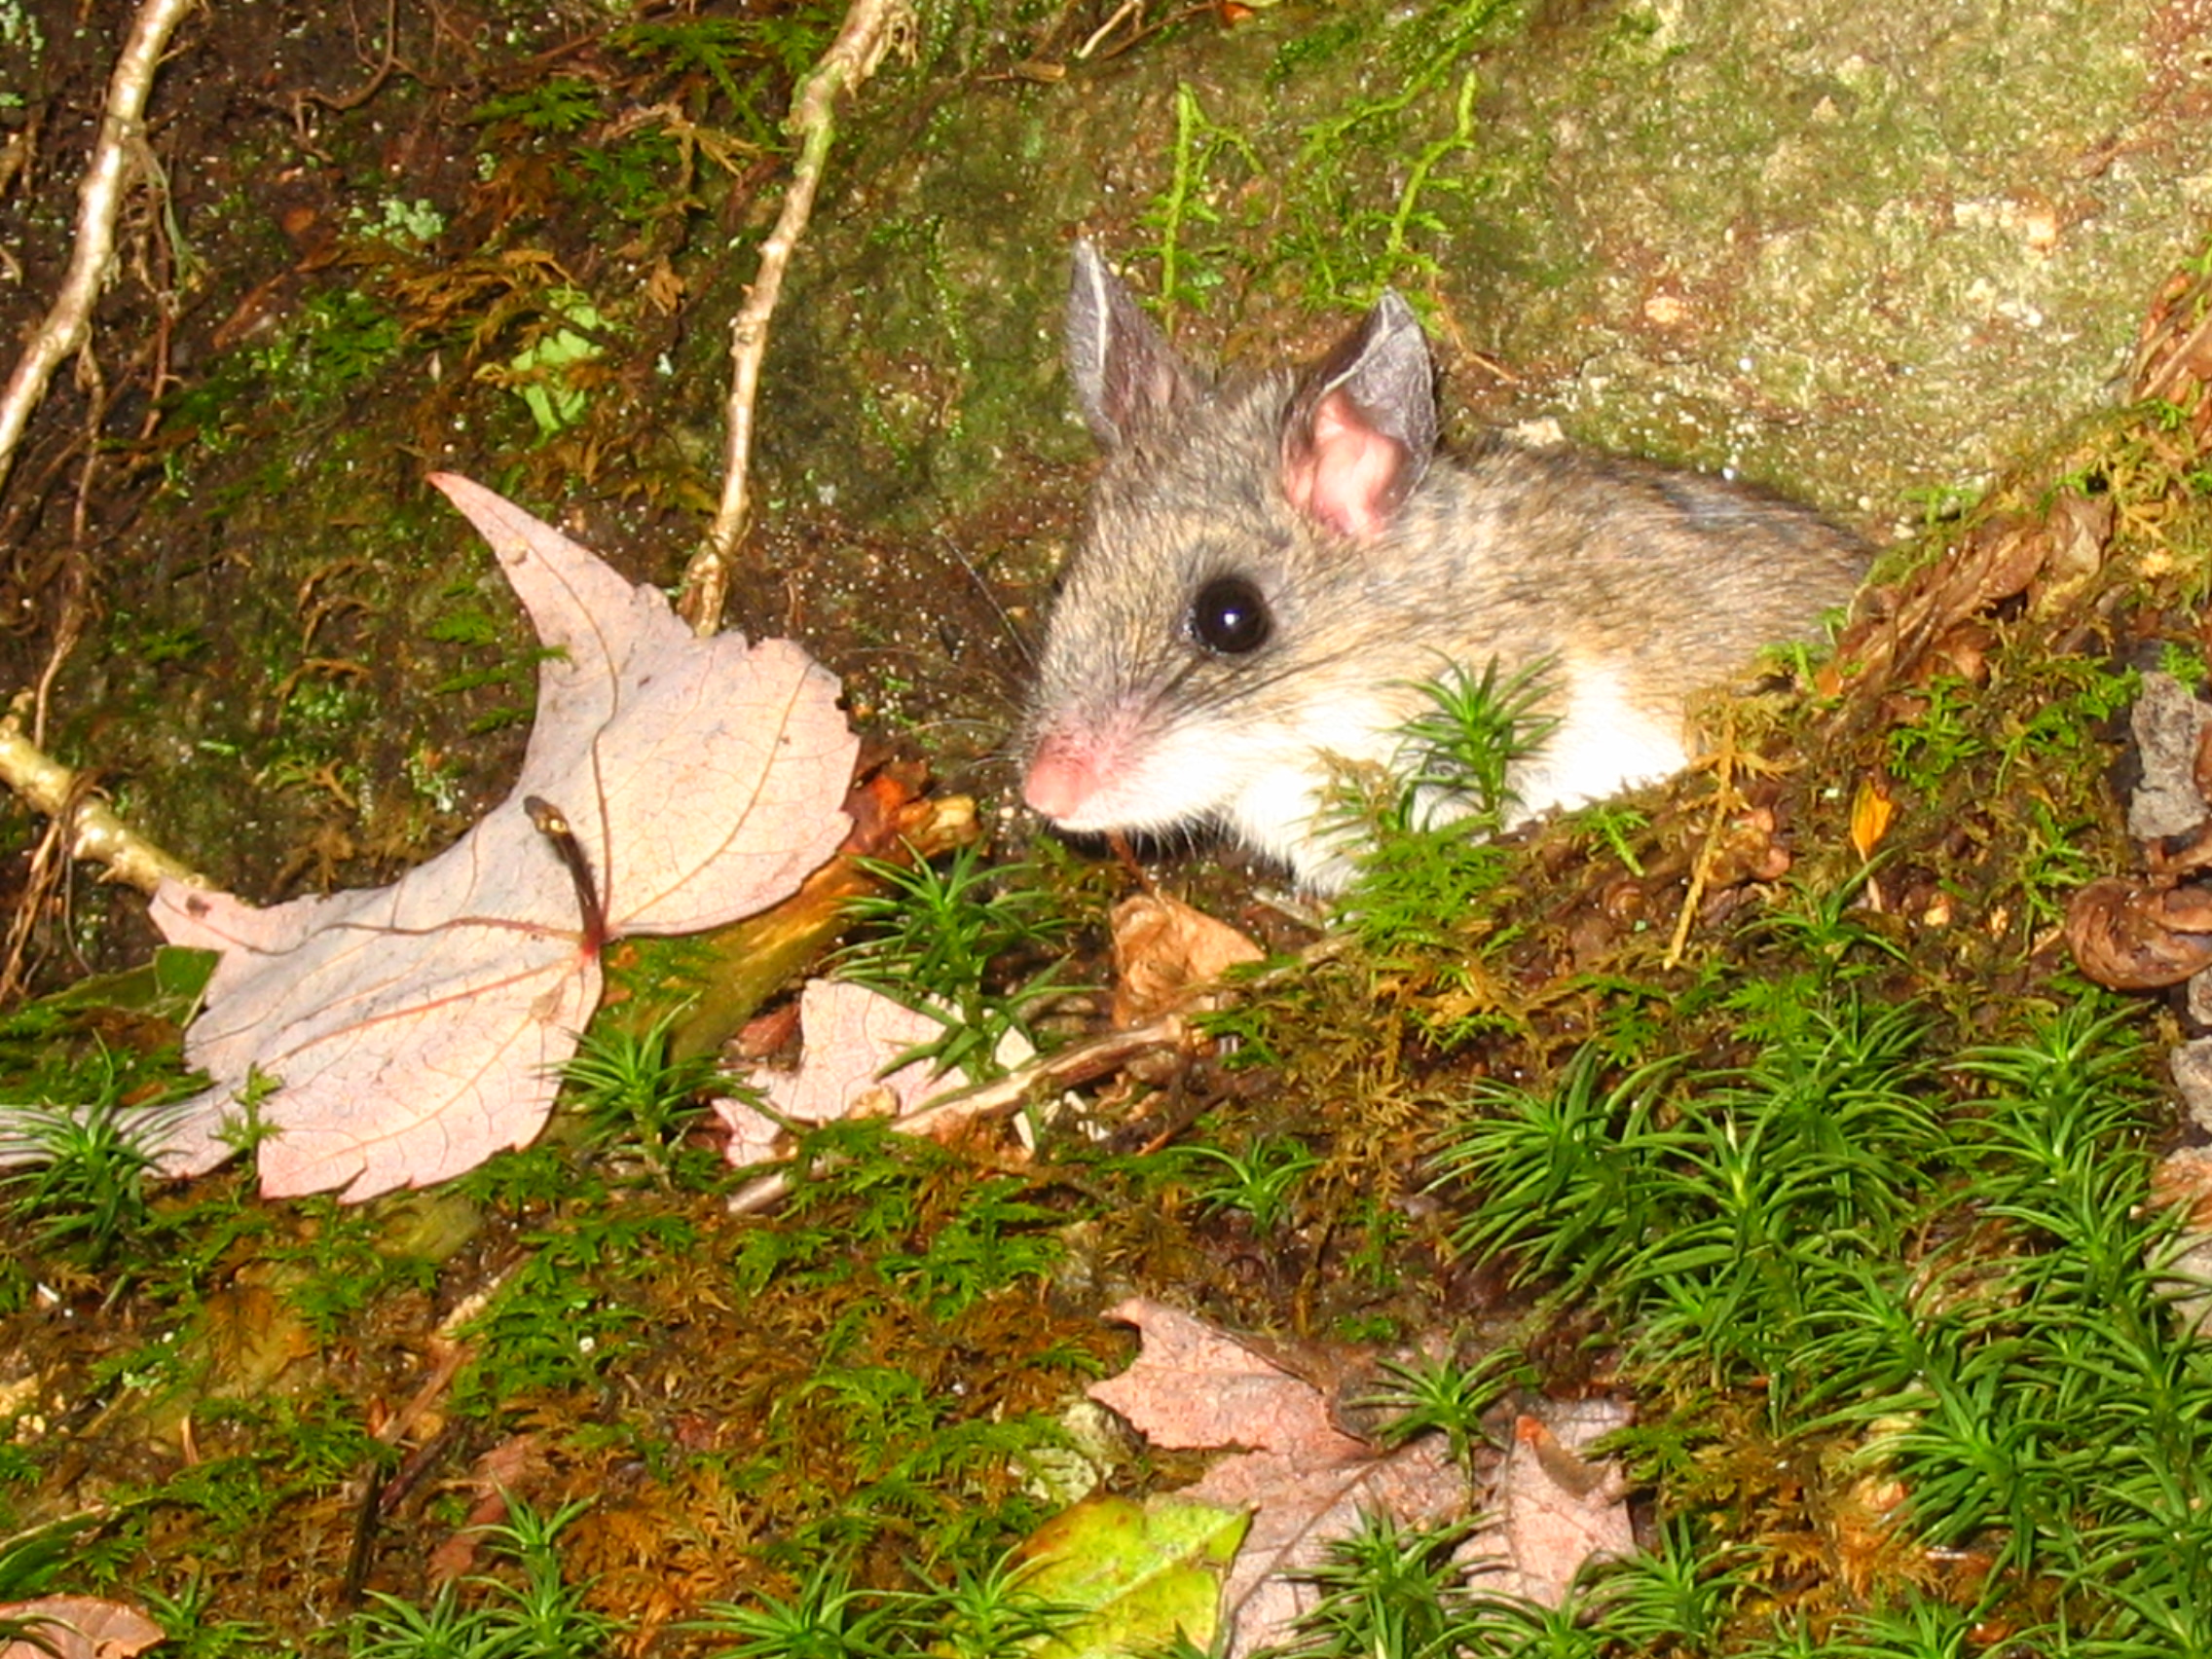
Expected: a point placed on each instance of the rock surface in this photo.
(1868, 254)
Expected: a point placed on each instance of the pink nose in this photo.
(1061, 777)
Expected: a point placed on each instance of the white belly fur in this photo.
(1603, 744)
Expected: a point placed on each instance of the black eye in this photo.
(1229, 617)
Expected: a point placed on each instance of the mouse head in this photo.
(1224, 574)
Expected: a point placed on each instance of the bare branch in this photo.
(94, 833)
(871, 27)
(99, 201)
(1047, 1074)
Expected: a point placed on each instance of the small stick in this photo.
(1727, 798)
(871, 27)
(99, 202)
(94, 833)
(1078, 1064)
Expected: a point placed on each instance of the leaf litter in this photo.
(853, 1039)
(75, 1627)
(1306, 1482)
(670, 785)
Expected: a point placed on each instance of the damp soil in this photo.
(250, 618)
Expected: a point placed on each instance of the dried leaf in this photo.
(2081, 529)
(1995, 562)
(2183, 1180)
(2134, 934)
(1871, 810)
(2174, 357)
(1304, 1480)
(77, 1627)
(850, 1035)
(1164, 950)
(1556, 1509)
(418, 1028)
(497, 1479)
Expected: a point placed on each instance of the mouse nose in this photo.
(1063, 774)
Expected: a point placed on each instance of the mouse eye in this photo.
(1229, 617)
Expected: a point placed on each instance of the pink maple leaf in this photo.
(1557, 1510)
(418, 1028)
(1306, 1482)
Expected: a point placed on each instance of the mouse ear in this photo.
(1126, 374)
(1361, 427)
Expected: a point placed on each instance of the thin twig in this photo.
(871, 27)
(1727, 798)
(99, 202)
(1042, 1074)
(47, 787)
(1063, 1068)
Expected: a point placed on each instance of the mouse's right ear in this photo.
(1361, 427)
(1126, 374)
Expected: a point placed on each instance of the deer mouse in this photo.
(1272, 565)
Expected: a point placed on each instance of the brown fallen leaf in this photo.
(1556, 1509)
(1164, 951)
(418, 1028)
(1998, 560)
(2081, 529)
(504, 1473)
(1304, 1479)
(2182, 1181)
(77, 1627)
(2173, 357)
(2139, 933)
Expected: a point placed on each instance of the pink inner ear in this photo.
(1346, 474)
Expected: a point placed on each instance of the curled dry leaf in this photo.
(418, 1028)
(1164, 951)
(2173, 359)
(1995, 562)
(2136, 933)
(1747, 849)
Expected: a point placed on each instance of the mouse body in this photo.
(1272, 567)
